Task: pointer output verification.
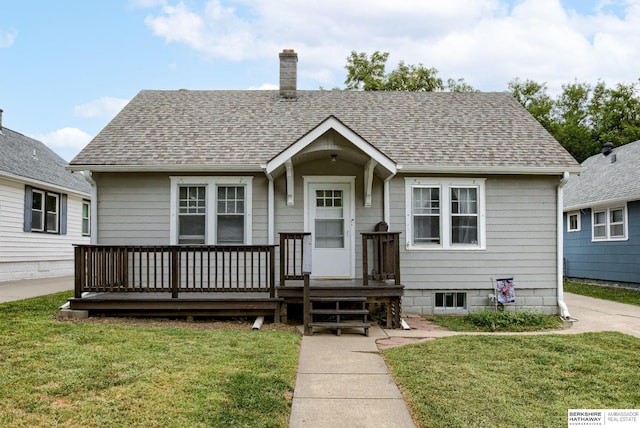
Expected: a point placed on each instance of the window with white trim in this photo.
(44, 211)
(609, 224)
(451, 301)
(211, 210)
(573, 221)
(445, 214)
(86, 218)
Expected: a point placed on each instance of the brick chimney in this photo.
(288, 73)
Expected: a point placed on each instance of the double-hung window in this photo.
(86, 218)
(573, 221)
(609, 224)
(211, 210)
(44, 211)
(446, 213)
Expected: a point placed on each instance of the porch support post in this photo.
(368, 181)
(289, 167)
(306, 299)
(271, 211)
(387, 199)
(175, 271)
(79, 271)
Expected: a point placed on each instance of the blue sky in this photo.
(68, 66)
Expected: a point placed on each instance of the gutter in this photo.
(564, 311)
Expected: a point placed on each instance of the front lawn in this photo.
(616, 294)
(95, 374)
(516, 381)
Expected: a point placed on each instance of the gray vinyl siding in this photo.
(520, 242)
(134, 208)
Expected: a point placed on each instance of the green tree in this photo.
(534, 97)
(615, 113)
(369, 73)
(572, 121)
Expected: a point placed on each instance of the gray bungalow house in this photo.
(602, 217)
(44, 209)
(439, 194)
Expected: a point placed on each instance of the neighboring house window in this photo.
(455, 301)
(211, 210)
(45, 211)
(445, 214)
(573, 222)
(609, 224)
(86, 218)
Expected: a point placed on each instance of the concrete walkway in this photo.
(18, 290)
(344, 382)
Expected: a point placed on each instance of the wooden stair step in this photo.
(346, 324)
(338, 299)
(340, 311)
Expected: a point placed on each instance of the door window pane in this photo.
(329, 219)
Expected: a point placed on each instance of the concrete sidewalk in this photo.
(24, 289)
(344, 382)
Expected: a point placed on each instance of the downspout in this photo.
(564, 311)
(94, 206)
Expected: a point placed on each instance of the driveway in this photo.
(602, 315)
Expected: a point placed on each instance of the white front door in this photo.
(329, 218)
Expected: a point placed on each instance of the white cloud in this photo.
(102, 107)
(486, 42)
(265, 87)
(66, 142)
(7, 38)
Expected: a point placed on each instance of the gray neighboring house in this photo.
(44, 209)
(472, 182)
(602, 217)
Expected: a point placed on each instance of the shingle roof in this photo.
(604, 181)
(414, 129)
(28, 158)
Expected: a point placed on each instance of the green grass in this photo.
(92, 374)
(499, 321)
(516, 381)
(616, 294)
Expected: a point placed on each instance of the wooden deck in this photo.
(225, 280)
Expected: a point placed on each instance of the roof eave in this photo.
(42, 184)
(167, 168)
(490, 170)
(602, 203)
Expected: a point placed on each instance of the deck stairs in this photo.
(338, 313)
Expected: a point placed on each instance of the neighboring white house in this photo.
(44, 209)
(471, 181)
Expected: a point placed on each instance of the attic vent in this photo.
(607, 148)
(614, 158)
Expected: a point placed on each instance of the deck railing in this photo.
(174, 269)
(295, 252)
(381, 256)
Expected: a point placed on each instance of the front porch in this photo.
(228, 280)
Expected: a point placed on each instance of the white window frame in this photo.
(578, 222)
(86, 218)
(454, 307)
(608, 223)
(445, 185)
(211, 184)
(42, 211)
